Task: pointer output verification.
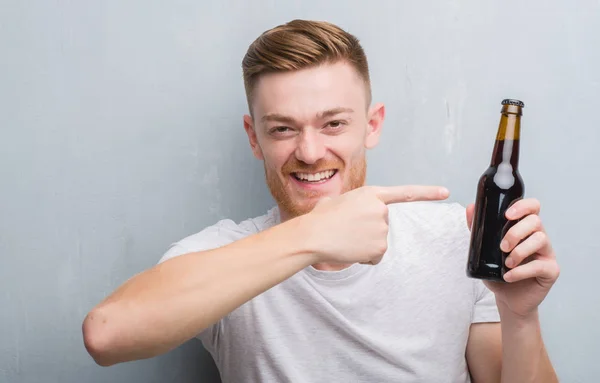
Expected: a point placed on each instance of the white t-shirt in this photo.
(406, 319)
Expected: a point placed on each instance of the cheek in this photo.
(276, 154)
(348, 148)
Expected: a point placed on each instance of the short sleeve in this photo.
(485, 309)
(175, 250)
(208, 239)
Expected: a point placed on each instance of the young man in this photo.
(340, 282)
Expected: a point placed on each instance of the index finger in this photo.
(523, 207)
(410, 193)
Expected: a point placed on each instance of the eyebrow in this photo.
(321, 115)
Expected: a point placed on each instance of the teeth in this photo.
(316, 176)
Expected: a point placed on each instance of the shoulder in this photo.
(221, 233)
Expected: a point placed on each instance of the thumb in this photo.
(470, 211)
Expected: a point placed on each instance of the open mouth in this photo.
(314, 178)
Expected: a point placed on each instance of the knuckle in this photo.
(541, 237)
(383, 235)
(364, 191)
(556, 272)
(536, 221)
(511, 237)
(539, 268)
(518, 253)
(382, 248)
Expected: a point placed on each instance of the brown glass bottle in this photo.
(499, 187)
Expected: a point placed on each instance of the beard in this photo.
(291, 207)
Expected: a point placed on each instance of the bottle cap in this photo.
(509, 101)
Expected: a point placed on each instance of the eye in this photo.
(281, 131)
(335, 125)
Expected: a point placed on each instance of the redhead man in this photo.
(340, 281)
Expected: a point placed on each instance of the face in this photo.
(311, 128)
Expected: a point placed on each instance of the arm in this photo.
(484, 352)
(534, 271)
(523, 353)
(170, 303)
(511, 351)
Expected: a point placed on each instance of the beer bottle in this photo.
(499, 187)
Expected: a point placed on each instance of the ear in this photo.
(249, 127)
(375, 124)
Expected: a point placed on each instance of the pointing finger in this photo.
(410, 193)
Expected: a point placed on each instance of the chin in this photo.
(298, 207)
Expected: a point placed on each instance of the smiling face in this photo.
(311, 128)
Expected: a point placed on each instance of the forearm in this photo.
(524, 356)
(169, 304)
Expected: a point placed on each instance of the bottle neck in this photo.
(506, 149)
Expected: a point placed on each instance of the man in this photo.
(340, 282)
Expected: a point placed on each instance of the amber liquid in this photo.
(499, 187)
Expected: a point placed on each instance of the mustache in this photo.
(295, 166)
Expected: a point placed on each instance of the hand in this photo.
(353, 227)
(531, 257)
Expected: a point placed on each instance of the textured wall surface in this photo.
(121, 132)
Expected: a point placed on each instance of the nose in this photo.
(311, 147)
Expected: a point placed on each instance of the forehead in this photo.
(302, 94)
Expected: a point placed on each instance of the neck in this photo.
(506, 152)
(506, 149)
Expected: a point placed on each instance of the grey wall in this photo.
(121, 132)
